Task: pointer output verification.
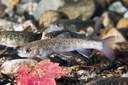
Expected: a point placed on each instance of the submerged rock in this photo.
(107, 22)
(50, 16)
(2, 10)
(10, 3)
(44, 5)
(122, 23)
(26, 7)
(7, 25)
(22, 27)
(113, 32)
(11, 67)
(83, 9)
(117, 7)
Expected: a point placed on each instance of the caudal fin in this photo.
(107, 47)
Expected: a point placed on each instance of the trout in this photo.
(46, 47)
(16, 38)
(64, 34)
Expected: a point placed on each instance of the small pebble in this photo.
(123, 23)
(10, 67)
(48, 17)
(117, 7)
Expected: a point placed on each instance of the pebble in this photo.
(125, 1)
(44, 5)
(10, 3)
(126, 14)
(23, 26)
(117, 7)
(125, 75)
(11, 67)
(107, 22)
(11, 26)
(122, 23)
(26, 7)
(50, 16)
(83, 9)
(7, 25)
(2, 10)
(113, 32)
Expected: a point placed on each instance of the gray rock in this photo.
(28, 7)
(126, 15)
(82, 9)
(50, 16)
(117, 7)
(7, 25)
(12, 66)
(23, 26)
(47, 5)
(2, 10)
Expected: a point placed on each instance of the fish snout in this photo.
(20, 52)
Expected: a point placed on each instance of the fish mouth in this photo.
(19, 52)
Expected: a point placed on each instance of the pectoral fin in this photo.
(84, 52)
(67, 54)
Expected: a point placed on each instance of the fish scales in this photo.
(16, 35)
(66, 44)
(16, 38)
(42, 48)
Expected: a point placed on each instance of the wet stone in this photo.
(83, 9)
(2, 10)
(50, 16)
(117, 7)
(11, 67)
(122, 23)
(26, 7)
(44, 5)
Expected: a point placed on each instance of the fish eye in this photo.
(28, 50)
(51, 36)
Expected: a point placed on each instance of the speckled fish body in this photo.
(43, 48)
(79, 24)
(70, 25)
(64, 34)
(16, 38)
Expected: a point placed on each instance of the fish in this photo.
(16, 38)
(70, 25)
(46, 47)
(63, 34)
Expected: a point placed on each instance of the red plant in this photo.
(44, 73)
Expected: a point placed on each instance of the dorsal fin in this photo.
(28, 29)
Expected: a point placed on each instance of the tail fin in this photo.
(107, 47)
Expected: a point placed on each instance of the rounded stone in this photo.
(83, 9)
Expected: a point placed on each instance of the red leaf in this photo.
(44, 73)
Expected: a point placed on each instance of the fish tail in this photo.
(107, 47)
